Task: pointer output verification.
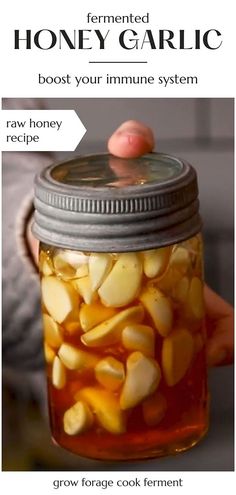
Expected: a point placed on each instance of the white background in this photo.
(215, 71)
(214, 68)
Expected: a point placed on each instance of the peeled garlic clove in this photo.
(76, 359)
(195, 298)
(52, 331)
(154, 409)
(169, 280)
(155, 261)
(77, 419)
(177, 354)
(123, 282)
(62, 268)
(84, 287)
(110, 373)
(180, 291)
(137, 337)
(72, 324)
(58, 374)
(82, 271)
(159, 308)
(99, 266)
(109, 331)
(49, 353)
(193, 244)
(180, 259)
(106, 407)
(69, 264)
(73, 258)
(45, 264)
(142, 378)
(59, 298)
(93, 314)
(198, 269)
(72, 327)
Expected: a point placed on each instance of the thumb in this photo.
(131, 139)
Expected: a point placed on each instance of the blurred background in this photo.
(198, 130)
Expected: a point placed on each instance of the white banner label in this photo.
(40, 130)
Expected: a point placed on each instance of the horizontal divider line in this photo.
(116, 62)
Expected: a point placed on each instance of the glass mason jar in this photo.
(122, 301)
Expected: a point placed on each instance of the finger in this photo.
(220, 350)
(220, 329)
(131, 139)
(217, 356)
(216, 306)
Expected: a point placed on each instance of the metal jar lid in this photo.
(104, 203)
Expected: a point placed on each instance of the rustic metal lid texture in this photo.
(104, 203)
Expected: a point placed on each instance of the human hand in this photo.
(131, 140)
